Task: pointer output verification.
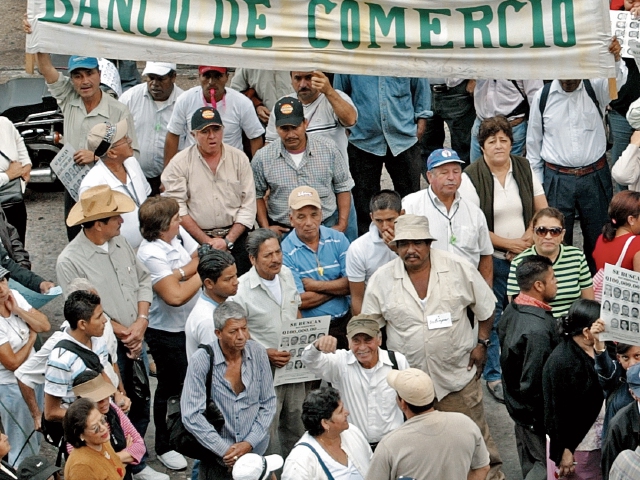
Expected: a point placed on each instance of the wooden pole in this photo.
(29, 62)
(613, 89)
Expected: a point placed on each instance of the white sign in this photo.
(627, 29)
(68, 171)
(409, 38)
(296, 335)
(620, 308)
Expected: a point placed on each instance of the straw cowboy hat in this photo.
(97, 203)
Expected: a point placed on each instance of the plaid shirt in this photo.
(626, 466)
(323, 167)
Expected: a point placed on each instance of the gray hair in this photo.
(80, 284)
(257, 238)
(227, 311)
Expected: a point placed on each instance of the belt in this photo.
(516, 121)
(579, 171)
(439, 88)
(217, 232)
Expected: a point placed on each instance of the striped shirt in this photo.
(247, 416)
(571, 272)
(64, 366)
(328, 263)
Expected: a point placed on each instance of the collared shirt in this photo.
(161, 258)
(230, 192)
(443, 353)
(573, 130)
(247, 416)
(388, 109)
(119, 277)
(328, 263)
(462, 230)
(626, 465)
(77, 122)
(137, 188)
(64, 366)
(501, 97)
(151, 119)
(270, 85)
(322, 119)
(199, 328)
(626, 170)
(365, 392)
(322, 167)
(265, 315)
(366, 254)
(236, 111)
(12, 146)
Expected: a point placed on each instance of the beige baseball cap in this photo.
(303, 196)
(413, 386)
(363, 323)
(412, 227)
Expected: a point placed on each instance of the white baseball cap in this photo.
(252, 466)
(158, 68)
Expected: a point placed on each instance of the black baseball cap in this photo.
(289, 111)
(205, 116)
(36, 467)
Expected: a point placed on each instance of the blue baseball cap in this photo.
(633, 378)
(442, 156)
(76, 62)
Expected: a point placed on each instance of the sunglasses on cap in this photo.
(542, 231)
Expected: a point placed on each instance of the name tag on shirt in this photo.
(441, 320)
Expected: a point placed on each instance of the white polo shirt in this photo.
(161, 258)
(199, 328)
(366, 254)
(462, 230)
(236, 111)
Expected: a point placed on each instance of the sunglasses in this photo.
(542, 231)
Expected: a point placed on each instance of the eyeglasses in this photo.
(98, 427)
(126, 139)
(543, 231)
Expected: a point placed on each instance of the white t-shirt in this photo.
(199, 327)
(296, 157)
(274, 287)
(366, 254)
(161, 258)
(15, 331)
(236, 111)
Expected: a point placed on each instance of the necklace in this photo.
(23, 333)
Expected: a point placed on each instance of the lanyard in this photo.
(452, 237)
(132, 193)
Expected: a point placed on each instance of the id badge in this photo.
(440, 320)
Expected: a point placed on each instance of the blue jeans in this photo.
(17, 422)
(492, 371)
(519, 139)
(621, 132)
(352, 227)
(195, 471)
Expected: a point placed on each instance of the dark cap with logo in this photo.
(36, 467)
(289, 111)
(205, 116)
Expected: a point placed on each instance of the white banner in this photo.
(520, 39)
(620, 308)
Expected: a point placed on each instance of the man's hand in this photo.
(567, 466)
(84, 157)
(471, 86)
(46, 286)
(478, 358)
(615, 48)
(26, 26)
(277, 358)
(11, 304)
(518, 245)
(326, 344)
(320, 82)
(134, 337)
(217, 243)
(421, 127)
(26, 173)
(310, 284)
(122, 401)
(341, 227)
(37, 422)
(14, 171)
(235, 452)
(263, 113)
(279, 230)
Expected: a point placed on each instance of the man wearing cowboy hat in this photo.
(423, 296)
(213, 184)
(100, 254)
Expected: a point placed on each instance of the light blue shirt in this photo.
(247, 416)
(388, 109)
(328, 263)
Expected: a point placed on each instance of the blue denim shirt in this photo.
(388, 109)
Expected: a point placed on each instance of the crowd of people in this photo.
(213, 218)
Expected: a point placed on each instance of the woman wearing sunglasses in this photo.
(569, 263)
(623, 224)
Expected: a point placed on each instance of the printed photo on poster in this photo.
(620, 307)
(68, 171)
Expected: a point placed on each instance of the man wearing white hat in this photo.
(430, 445)
(151, 105)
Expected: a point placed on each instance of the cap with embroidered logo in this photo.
(289, 111)
(442, 156)
(36, 467)
(303, 196)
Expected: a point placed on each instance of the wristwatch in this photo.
(229, 244)
(486, 343)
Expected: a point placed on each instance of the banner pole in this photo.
(613, 89)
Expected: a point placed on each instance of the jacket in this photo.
(572, 397)
(613, 380)
(527, 336)
(623, 434)
(11, 242)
